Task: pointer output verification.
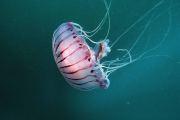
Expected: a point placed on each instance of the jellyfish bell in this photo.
(77, 61)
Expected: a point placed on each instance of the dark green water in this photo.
(31, 88)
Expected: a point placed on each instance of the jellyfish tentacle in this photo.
(140, 36)
(114, 65)
(136, 22)
(87, 34)
(109, 20)
(164, 38)
(102, 21)
(128, 53)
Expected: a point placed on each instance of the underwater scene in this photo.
(90, 60)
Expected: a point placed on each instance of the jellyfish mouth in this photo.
(102, 49)
(104, 84)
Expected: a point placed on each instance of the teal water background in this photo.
(31, 87)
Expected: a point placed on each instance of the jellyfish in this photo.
(80, 64)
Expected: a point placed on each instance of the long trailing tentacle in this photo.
(127, 56)
(136, 22)
(109, 20)
(114, 65)
(87, 34)
(102, 21)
